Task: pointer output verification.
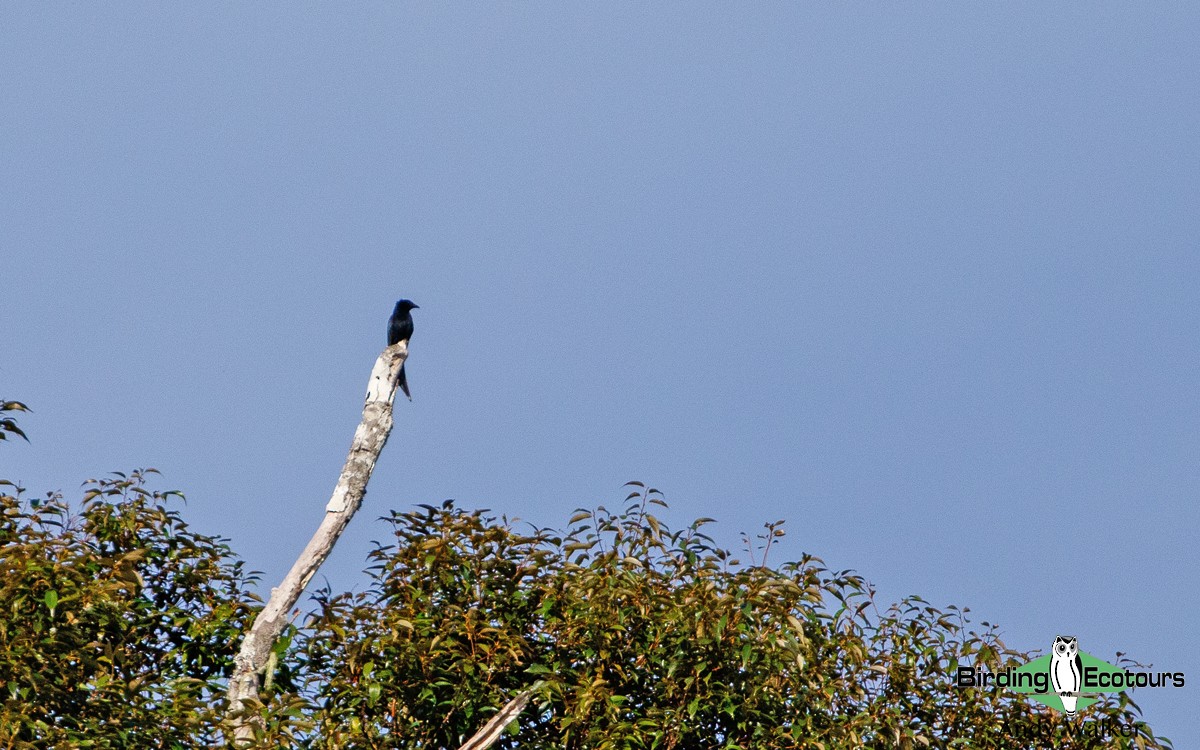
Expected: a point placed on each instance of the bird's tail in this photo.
(403, 380)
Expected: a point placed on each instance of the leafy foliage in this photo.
(643, 637)
(118, 624)
(8, 423)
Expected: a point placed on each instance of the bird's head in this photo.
(405, 305)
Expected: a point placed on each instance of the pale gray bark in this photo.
(493, 729)
(369, 439)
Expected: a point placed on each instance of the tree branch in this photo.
(369, 439)
(491, 731)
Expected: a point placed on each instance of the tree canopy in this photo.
(120, 624)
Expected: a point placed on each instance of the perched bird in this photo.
(400, 328)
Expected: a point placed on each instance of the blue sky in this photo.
(921, 280)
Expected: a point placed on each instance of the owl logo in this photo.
(1066, 671)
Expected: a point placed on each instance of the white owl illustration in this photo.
(1066, 671)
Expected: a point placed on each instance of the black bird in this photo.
(400, 328)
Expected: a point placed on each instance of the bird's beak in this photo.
(416, 307)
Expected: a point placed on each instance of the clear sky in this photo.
(921, 279)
